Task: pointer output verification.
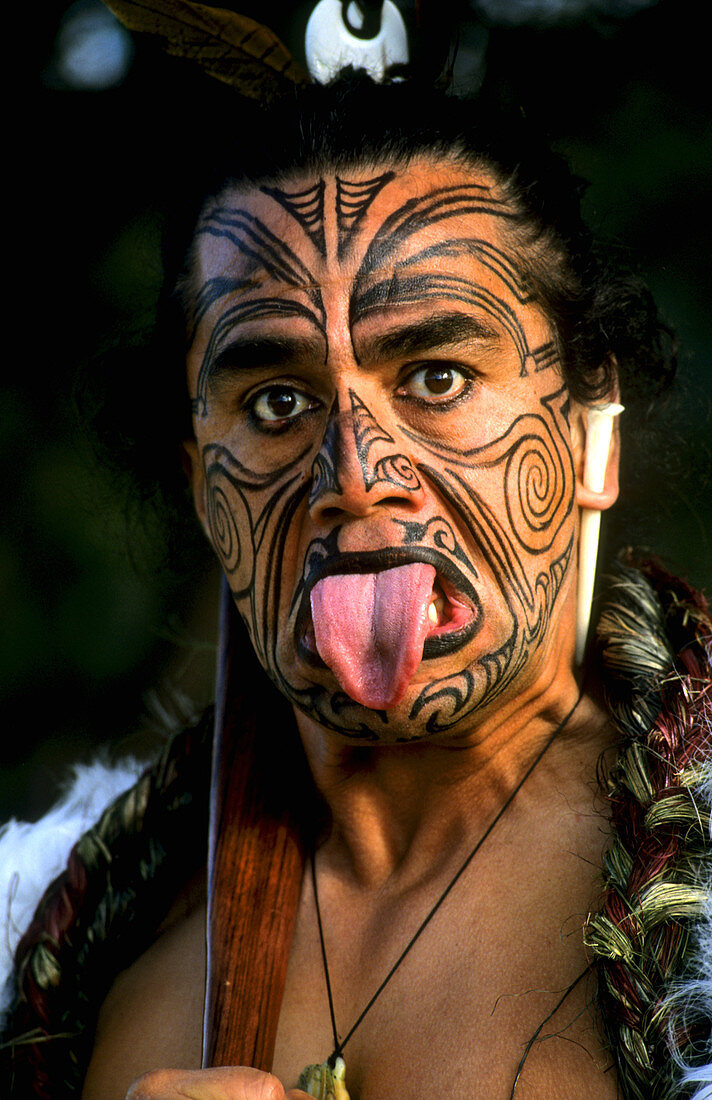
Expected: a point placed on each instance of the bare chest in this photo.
(495, 987)
(495, 993)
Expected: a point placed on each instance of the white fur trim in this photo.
(32, 855)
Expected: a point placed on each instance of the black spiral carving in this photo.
(443, 537)
(397, 470)
(223, 529)
(536, 480)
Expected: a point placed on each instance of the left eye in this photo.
(435, 381)
(280, 403)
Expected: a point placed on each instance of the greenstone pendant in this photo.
(323, 1082)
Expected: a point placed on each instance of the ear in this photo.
(193, 468)
(596, 473)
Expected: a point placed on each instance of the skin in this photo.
(374, 384)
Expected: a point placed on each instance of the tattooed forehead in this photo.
(361, 219)
(315, 259)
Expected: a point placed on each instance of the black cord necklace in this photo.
(328, 1079)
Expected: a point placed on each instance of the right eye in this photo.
(436, 381)
(278, 404)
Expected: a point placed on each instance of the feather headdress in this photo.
(230, 47)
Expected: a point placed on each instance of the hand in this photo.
(224, 1083)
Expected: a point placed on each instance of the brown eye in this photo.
(435, 381)
(280, 403)
(438, 379)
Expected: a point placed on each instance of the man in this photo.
(389, 431)
(387, 462)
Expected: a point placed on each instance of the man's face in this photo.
(378, 401)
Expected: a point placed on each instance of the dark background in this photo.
(97, 639)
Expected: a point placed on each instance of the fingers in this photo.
(224, 1083)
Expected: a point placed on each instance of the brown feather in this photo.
(228, 46)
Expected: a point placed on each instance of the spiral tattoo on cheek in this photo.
(224, 533)
(537, 490)
(535, 480)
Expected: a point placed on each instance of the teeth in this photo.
(435, 610)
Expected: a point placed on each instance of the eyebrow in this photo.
(258, 353)
(437, 331)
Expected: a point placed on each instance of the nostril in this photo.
(331, 513)
(394, 502)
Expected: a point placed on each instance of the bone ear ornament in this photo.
(599, 428)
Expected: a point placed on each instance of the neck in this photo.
(395, 809)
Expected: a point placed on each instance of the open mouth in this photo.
(453, 620)
(454, 612)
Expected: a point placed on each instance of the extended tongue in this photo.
(370, 629)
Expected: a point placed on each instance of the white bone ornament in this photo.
(323, 1082)
(599, 428)
(330, 46)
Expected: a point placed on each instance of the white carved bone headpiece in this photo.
(331, 44)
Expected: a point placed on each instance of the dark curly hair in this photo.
(603, 315)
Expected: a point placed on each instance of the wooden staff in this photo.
(255, 856)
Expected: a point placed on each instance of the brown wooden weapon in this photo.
(255, 858)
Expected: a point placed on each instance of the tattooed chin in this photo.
(390, 693)
(399, 643)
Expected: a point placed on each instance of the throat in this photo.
(393, 810)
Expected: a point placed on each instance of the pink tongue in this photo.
(370, 629)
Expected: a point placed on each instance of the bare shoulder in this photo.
(152, 1016)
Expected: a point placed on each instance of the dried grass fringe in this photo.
(651, 932)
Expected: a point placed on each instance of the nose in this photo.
(359, 467)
